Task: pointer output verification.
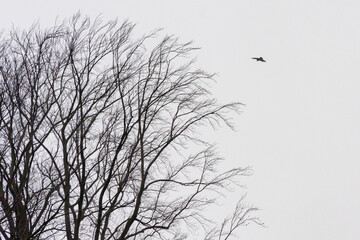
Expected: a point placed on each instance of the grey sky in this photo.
(300, 129)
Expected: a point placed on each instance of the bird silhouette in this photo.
(259, 59)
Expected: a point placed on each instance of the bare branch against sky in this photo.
(98, 136)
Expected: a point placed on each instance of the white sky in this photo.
(300, 129)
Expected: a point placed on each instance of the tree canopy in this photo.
(99, 136)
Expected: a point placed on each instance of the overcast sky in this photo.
(300, 129)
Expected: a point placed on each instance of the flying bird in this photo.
(259, 59)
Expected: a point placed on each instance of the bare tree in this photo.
(99, 136)
(28, 189)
